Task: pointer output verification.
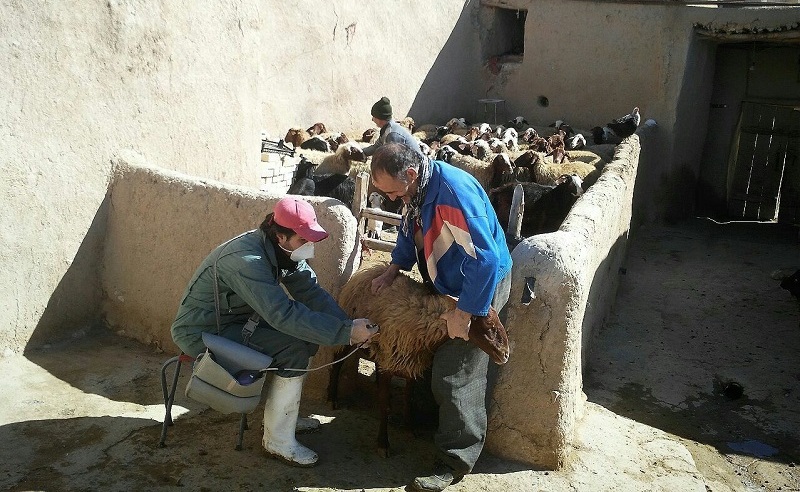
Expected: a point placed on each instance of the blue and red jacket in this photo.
(463, 244)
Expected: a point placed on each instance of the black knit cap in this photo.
(382, 109)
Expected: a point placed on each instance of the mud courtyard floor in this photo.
(697, 317)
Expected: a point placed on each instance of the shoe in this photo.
(441, 478)
(281, 410)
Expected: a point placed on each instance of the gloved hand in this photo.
(363, 329)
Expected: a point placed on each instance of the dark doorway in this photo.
(750, 169)
(765, 147)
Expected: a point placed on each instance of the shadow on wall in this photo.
(455, 67)
(74, 306)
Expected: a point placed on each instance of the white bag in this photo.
(213, 381)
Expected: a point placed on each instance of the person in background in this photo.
(451, 232)
(251, 271)
(391, 131)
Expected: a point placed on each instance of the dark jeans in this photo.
(458, 382)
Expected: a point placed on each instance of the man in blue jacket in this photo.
(244, 278)
(451, 232)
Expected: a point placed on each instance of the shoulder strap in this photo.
(216, 287)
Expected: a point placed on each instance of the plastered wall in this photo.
(189, 87)
(161, 224)
(562, 287)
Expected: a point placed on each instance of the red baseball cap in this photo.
(299, 216)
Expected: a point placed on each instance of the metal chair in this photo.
(169, 399)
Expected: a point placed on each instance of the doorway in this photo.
(765, 147)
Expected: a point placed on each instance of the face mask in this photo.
(304, 252)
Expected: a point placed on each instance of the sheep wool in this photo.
(408, 316)
(410, 325)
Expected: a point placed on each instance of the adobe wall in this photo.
(563, 285)
(190, 87)
(161, 224)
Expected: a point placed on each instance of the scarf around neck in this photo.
(413, 212)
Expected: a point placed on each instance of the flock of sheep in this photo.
(540, 158)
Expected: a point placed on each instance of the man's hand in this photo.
(363, 329)
(385, 279)
(458, 322)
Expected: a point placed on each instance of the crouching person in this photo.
(250, 272)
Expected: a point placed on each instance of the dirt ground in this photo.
(698, 310)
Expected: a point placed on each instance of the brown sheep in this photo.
(296, 137)
(410, 332)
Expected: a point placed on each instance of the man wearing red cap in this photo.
(252, 271)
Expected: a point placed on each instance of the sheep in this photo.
(445, 153)
(341, 162)
(303, 183)
(407, 123)
(316, 143)
(296, 137)
(452, 137)
(518, 123)
(481, 150)
(509, 138)
(335, 140)
(497, 145)
(546, 206)
(308, 139)
(485, 172)
(410, 332)
(339, 186)
(457, 125)
(374, 227)
(556, 148)
(546, 172)
(577, 142)
(564, 127)
(317, 129)
(370, 135)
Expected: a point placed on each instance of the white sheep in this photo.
(374, 227)
(341, 162)
(510, 139)
(546, 172)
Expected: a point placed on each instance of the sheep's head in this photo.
(526, 159)
(407, 123)
(572, 182)
(295, 136)
(317, 129)
(502, 164)
(445, 153)
(353, 152)
(489, 334)
(369, 134)
(529, 135)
